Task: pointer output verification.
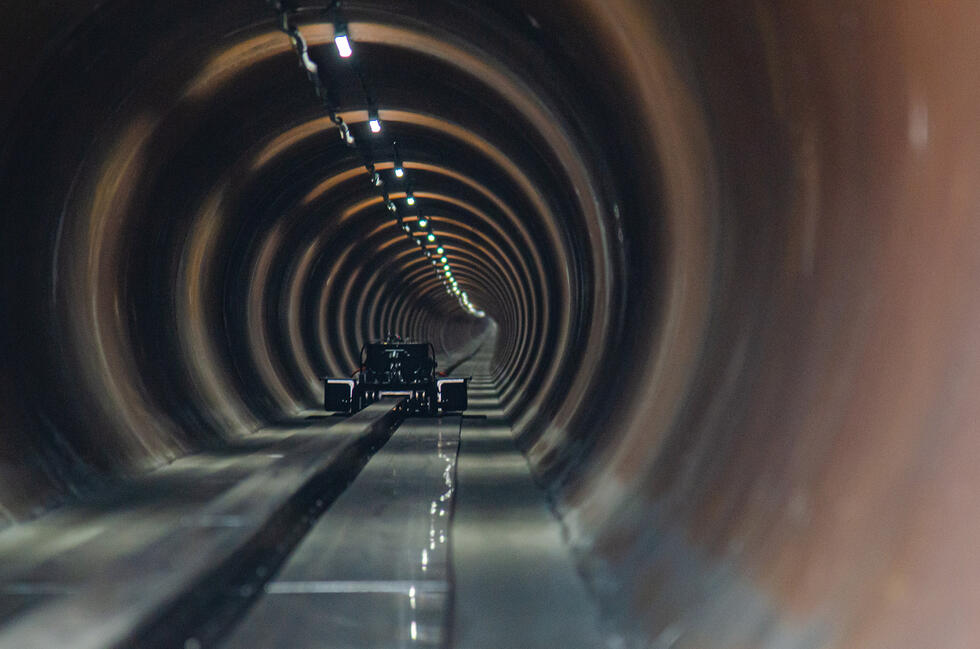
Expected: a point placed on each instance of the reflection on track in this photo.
(515, 583)
(374, 570)
(441, 540)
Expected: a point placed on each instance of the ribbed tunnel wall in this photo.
(730, 249)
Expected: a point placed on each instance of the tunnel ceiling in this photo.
(208, 245)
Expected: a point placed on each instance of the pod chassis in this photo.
(397, 369)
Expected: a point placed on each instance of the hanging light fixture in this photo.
(341, 39)
(374, 121)
(343, 43)
(399, 171)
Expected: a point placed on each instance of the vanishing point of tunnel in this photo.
(711, 269)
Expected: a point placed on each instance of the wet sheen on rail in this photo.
(374, 570)
(515, 582)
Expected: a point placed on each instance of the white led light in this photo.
(423, 223)
(410, 200)
(374, 121)
(399, 172)
(431, 237)
(440, 250)
(343, 44)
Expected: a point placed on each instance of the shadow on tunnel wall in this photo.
(730, 248)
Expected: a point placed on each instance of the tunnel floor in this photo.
(441, 539)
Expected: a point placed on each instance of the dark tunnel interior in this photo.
(728, 250)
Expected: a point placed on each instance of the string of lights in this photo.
(422, 233)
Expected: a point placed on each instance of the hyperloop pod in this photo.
(730, 251)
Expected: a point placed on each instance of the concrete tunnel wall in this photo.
(731, 249)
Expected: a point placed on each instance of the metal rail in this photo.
(151, 596)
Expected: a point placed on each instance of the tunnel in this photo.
(726, 254)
